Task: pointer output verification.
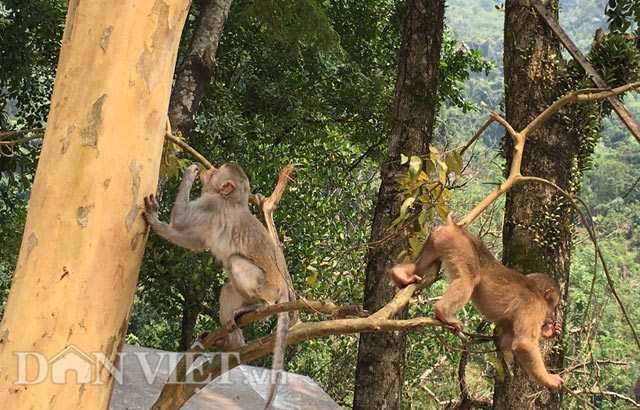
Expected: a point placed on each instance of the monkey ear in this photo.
(548, 293)
(227, 187)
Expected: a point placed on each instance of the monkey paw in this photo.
(553, 382)
(449, 320)
(151, 206)
(550, 330)
(191, 173)
(231, 324)
(227, 344)
(403, 275)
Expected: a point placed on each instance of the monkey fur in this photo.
(220, 220)
(522, 306)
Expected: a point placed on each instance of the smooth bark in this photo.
(84, 237)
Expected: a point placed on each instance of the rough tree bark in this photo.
(537, 226)
(381, 355)
(83, 240)
(195, 71)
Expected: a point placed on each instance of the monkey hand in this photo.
(191, 173)
(403, 275)
(550, 330)
(231, 324)
(151, 206)
(552, 382)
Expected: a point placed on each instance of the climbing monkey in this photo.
(220, 220)
(522, 306)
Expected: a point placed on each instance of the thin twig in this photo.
(9, 134)
(477, 135)
(168, 135)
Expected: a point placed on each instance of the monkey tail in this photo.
(282, 329)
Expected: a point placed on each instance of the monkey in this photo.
(521, 306)
(220, 220)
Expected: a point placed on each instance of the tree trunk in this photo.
(194, 74)
(537, 226)
(189, 318)
(381, 355)
(84, 237)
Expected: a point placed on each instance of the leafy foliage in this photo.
(617, 60)
(621, 14)
(27, 65)
(427, 186)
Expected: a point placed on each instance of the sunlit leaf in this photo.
(414, 244)
(430, 166)
(415, 165)
(423, 219)
(454, 162)
(442, 209)
(405, 207)
(311, 279)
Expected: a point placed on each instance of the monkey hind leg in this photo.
(458, 293)
(234, 340)
(230, 302)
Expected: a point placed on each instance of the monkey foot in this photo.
(231, 324)
(226, 344)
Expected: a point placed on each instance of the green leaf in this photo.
(405, 207)
(423, 219)
(454, 162)
(403, 159)
(442, 210)
(311, 279)
(430, 166)
(415, 165)
(414, 243)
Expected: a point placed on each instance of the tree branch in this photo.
(520, 138)
(174, 395)
(179, 142)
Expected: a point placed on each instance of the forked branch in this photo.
(520, 137)
(174, 395)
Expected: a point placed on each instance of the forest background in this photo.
(313, 85)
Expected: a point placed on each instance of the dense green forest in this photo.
(312, 84)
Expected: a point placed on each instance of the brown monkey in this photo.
(521, 306)
(220, 220)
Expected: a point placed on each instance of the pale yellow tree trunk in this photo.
(84, 236)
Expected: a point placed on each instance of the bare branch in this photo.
(173, 396)
(268, 205)
(519, 139)
(580, 96)
(168, 135)
(477, 134)
(600, 392)
(9, 134)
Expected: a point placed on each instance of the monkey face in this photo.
(206, 177)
